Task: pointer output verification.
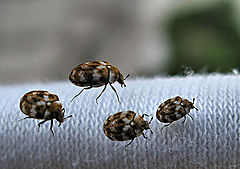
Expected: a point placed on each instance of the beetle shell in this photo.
(40, 104)
(125, 125)
(174, 109)
(95, 74)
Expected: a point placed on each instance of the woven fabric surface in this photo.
(211, 140)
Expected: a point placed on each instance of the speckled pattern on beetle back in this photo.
(34, 104)
(94, 73)
(39, 104)
(125, 125)
(174, 109)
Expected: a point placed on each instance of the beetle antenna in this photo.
(150, 121)
(147, 116)
(193, 103)
(64, 119)
(25, 118)
(126, 76)
(151, 130)
(63, 111)
(67, 117)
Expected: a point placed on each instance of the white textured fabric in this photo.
(210, 141)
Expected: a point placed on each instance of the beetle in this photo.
(126, 125)
(174, 109)
(40, 104)
(96, 74)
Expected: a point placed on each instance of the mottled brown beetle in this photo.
(39, 104)
(95, 74)
(174, 109)
(125, 125)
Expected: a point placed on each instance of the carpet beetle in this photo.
(95, 74)
(39, 104)
(174, 109)
(125, 125)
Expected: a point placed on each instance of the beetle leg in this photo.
(111, 84)
(80, 93)
(101, 93)
(115, 92)
(184, 120)
(150, 121)
(144, 136)
(145, 115)
(191, 117)
(128, 144)
(41, 123)
(51, 126)
(25, 118)
(165, 126)
(126, 76)
(151, 130)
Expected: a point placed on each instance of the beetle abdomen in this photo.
(123, 126)
(94, 73)
(34, 103)
(173, 109)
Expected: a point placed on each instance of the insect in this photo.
(174, 109)
(95, 74)
(39, 104)
(125, 125)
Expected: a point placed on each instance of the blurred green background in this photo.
(206, 39)
(44, 40)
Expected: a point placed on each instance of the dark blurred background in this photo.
(43, 40)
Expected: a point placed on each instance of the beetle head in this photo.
(57, 111)
(60, 118)
(146, 125)
(121, 80)
(191, 104)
